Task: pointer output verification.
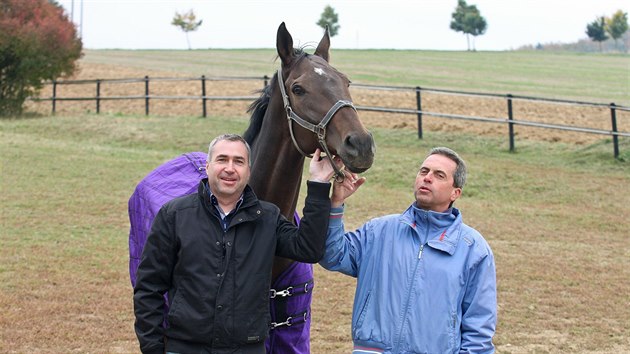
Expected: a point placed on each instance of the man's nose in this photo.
(229, 166)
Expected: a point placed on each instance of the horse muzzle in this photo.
(357, 152)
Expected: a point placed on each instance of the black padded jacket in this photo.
(218, 281)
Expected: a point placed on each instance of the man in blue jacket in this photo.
(426, 282)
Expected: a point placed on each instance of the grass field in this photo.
(555, 214)
(563, 75)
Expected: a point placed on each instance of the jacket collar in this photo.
(249, 197)
(444, 228)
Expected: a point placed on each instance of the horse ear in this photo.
(284, 45)
(323, 48)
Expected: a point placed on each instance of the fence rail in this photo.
(419, 112)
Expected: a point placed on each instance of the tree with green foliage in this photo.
(457, 22)
(596, 31)
(617, 25)
(468, 20)
(187, 22)
(37, 43)
(475, 24)
(329, 19)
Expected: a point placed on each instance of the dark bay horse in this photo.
(306, 106)
(276, 134)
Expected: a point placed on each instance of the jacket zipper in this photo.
(406, 307)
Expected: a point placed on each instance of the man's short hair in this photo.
(230, 137)
(459, 177)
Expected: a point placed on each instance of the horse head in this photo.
(319, 105)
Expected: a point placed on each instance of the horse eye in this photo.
(297, 90)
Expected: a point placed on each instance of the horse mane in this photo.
(258, 108)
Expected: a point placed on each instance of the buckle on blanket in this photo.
(286, 292)
(291, 320)
(285, 323)
(292, 290)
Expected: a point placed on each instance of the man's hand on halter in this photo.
(344, 189)
(321, 169)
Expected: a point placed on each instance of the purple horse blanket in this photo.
(291, 293)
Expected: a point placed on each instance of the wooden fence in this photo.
(510, 120)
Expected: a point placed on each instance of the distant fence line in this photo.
(419, 112)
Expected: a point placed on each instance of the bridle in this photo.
(319, 129)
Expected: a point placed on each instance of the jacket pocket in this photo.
(452, 331)
(452, 325)
(188, 316)
(251, 318)
(361, 316)
(174, 308)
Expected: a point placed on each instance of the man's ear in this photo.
(455, 194)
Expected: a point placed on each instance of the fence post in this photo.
(54, 97)
(98, 96)
(613, 117)
(146, 95)
(203, 95)
(510, 119)
(266, 79)
(419, 105)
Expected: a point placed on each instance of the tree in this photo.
(468, 20)
(596, 31)
(187, 22)
(37, 43)
(329, 18)
(457, 23)
(617, 25)
(474, 24)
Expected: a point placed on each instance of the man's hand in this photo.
(343, 190)
(321, 169)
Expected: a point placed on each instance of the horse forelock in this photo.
(258, 108)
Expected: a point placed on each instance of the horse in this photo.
(306, 85)
(307, 105)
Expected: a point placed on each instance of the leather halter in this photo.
(319, 129)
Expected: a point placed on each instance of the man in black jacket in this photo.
(213, 252)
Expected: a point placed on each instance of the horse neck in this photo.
(277, 165)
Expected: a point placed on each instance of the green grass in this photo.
(588, 77)
(555, 215)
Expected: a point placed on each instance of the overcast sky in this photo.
(390, 24)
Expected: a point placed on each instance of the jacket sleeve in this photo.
(306, 242)
(153, 280)
(479, 308)
(343, 250)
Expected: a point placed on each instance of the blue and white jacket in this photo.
(426, 282)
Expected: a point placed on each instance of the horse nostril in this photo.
(356, 145)
(358, 152)
(350, 145)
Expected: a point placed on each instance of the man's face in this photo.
(228, 169)
(434, 184)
